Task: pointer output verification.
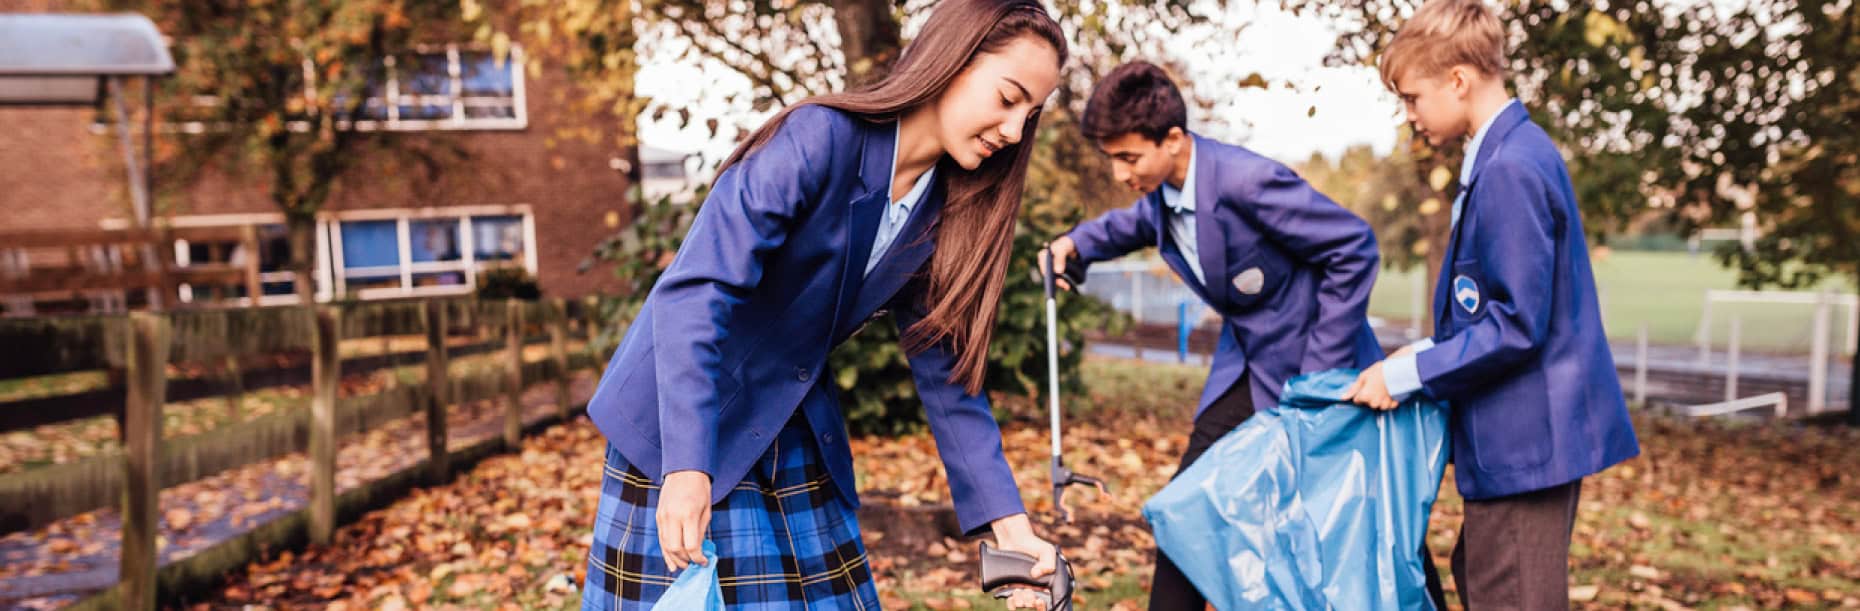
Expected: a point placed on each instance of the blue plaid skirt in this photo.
(784, 538)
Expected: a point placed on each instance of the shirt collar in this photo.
(1478, 139)
(1183, 199)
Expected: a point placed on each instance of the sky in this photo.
(1351, 106)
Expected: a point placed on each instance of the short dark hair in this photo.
(1137, 97)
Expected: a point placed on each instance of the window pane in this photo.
(490, 108)
(356, 283)
(425, 87)
(497, 238)
(200, 253)
(274, 247)
(373, 93)
(481, 73)
(370, 244)
(439, 279)
(434, 240)
(488, 85)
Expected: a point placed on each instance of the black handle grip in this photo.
(1074, 274)
(1002, 568)
(1046, 271)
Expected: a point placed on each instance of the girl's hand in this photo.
(1015, 534)
(684, 518)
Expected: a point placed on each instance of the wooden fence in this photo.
(114, 270)
(139, 349)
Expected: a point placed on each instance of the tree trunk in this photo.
(869, 37)
(302, 231)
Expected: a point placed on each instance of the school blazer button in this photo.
(801, 374)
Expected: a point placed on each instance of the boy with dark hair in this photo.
(1288, 269)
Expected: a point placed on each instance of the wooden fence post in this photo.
(438, 393)
(142, 424)
(233, 370)
(513, 379)
(591, 321)
(558, 350)
(325, 371)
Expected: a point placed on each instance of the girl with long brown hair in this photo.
(722, 425)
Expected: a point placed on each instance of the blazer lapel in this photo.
(1508, 119)
(862, 215)
(1209, 238)
(907, 254)
(1170, 251)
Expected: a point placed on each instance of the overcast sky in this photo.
(1352, 107)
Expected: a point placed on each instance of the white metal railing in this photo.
(1819, 350)
(1776, 401)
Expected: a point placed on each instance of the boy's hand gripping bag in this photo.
(696, 588)
(1319, 504)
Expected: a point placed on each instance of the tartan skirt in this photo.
(784, 538)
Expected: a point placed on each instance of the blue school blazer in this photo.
(1288, 269)
(1519, 348)
(734, 337)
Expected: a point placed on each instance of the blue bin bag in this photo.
(1319, 504)
(696, 587)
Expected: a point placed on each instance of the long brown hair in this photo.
(975, 234)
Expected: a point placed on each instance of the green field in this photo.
(1666, 292)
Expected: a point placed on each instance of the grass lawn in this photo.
(1666, 292)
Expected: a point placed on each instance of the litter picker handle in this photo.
(1074, 274)
(1004, 571)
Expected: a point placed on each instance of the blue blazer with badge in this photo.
(1288, 269)
(1519, 348)
(734, 337)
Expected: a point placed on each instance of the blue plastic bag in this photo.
(1319, 504)
(696, 588)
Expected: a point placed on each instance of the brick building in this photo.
(497, 166)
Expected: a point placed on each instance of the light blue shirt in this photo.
(896, 211)
(1400, 373)
(1179, 206)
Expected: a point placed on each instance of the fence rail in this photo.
(139, 348)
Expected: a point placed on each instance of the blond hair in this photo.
(1444, 34)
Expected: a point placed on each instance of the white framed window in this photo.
(428, 251)
(449, 88)
(444, 88)
(376, 253)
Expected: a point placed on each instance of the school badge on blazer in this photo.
(1466, 293)
(1250, 281)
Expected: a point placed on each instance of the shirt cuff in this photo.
(1400, 376)
(1421, 346)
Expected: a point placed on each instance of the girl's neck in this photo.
(918, 149)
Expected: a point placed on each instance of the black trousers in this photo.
(1170, 589)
